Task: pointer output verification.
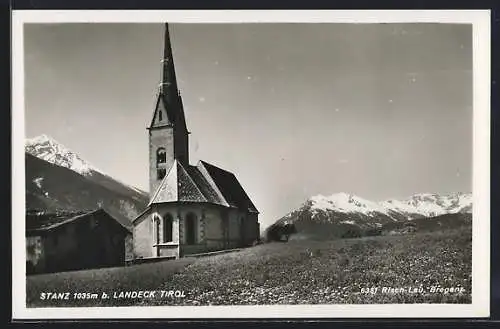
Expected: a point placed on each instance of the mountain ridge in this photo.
(58, 179)
(343, 212)
(416, 206)
(48, 149)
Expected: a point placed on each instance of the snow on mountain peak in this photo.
(428, 204)
(345, 202)
(423, 204)
(46, 148)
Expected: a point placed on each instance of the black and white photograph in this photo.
(320, 167)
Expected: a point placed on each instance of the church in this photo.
(192, 208)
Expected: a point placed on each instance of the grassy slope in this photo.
(305, 272)
(334, 271)
(136, 277)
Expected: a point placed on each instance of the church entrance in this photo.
(191, 228)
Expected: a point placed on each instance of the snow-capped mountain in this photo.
(348, 203)
(430, 205)
(52, 188)
(344, 211)
(46, 148)
(416, 206)
(59, 179)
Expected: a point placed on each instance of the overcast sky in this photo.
(294, 110)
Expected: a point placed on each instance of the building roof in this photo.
(169, 100)
(40, 222)
(206, 187)
(231, 189)
(202, 183)
(177, 185)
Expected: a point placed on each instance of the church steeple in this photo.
(168, 135)
(169, 108)
(168, 85)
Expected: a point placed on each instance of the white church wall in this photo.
(142, 240)
(213, 228)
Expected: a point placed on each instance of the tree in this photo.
(129, 209)
(351, 233)
(287, 230)
(373, 231)
(281, 232)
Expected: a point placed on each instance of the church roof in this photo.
(208, 188)
(231, 189)
(173, 111)
(202, 183)
(169, 100)
(176, 186)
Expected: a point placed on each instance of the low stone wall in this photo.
(137, 261)
(209, 245)
(214, 252)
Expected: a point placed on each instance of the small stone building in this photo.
(192, 208)
(74, 241)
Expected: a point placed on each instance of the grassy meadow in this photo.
(413, 268)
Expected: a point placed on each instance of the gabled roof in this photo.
(176, 186)
(39, 222)
(202, 183)
(208, 188)
(173, 113)
(230, 187)
(160, 106)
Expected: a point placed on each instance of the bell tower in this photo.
(168, 134)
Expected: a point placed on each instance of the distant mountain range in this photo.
(339, 213)
(59, 179)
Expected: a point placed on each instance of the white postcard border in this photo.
(481, 164)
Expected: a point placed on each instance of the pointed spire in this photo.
(168, 85)
(169, 98)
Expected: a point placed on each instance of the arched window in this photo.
(191, 224)
(161, 155)
(167, 228)
(155, 220)
(160, 115)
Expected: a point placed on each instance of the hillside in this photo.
(305, 272)
(51, 188)
(347, 215)
(46, 148)
(431, 224)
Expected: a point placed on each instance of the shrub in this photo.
(373, 232)
(351, 233)
(316, 253)
(280, 232)
(256, 242)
